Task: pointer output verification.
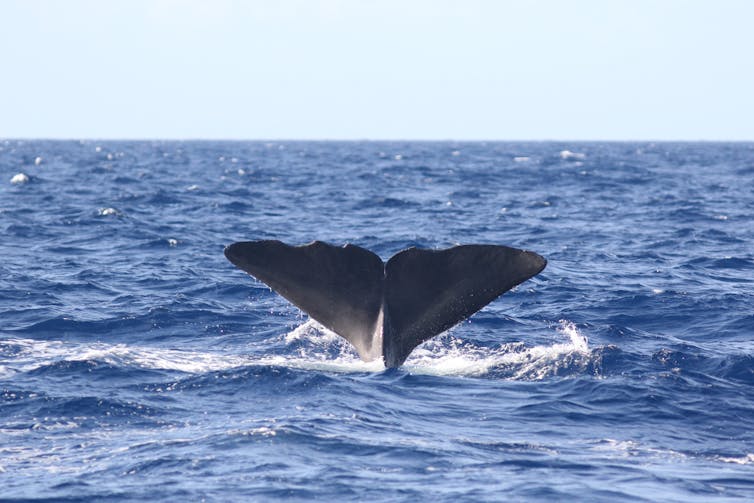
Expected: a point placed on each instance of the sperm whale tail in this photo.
(386, 309)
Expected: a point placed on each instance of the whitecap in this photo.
(568, 155)
(264, 431)
(631, 448)
(103, 212)
(743, 460)
(521, 158)
(20, 178)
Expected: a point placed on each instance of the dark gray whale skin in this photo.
(386, 309)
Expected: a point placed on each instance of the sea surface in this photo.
(137, 364)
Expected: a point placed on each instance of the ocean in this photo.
(136, 363)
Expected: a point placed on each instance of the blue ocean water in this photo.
(136, 363)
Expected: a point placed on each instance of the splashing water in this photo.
(512, 360)
(318, 348)
(446, 355)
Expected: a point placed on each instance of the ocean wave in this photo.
(135, 360)
(313, 347)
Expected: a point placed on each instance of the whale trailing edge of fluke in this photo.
(386, 309)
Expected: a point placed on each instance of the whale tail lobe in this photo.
(386, 309)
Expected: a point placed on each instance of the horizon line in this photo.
(371, 140)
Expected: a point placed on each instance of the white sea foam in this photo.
(20, 178)
(311, 331)
(319, 349)
(515, 360)
(743, 460)
(264, 431)
(568, 155)
(631, 449)
(107, 212)
(31, 354)
(444, 355)
(345, 363)
(315, 341)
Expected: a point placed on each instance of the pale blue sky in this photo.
(387, 69)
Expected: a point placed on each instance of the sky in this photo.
(377, 69)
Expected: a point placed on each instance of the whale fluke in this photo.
(386, 310)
